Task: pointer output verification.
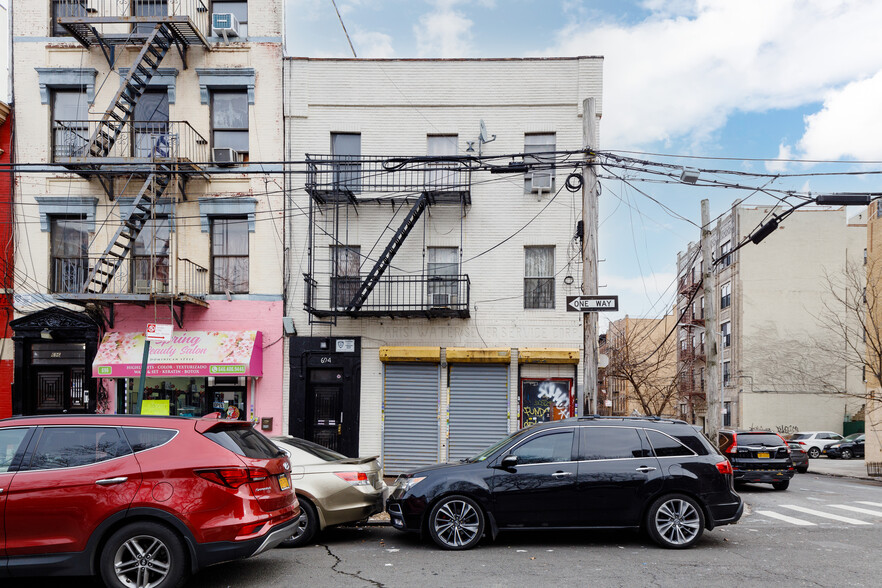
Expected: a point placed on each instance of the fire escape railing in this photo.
(394, 295)
(140, 276)
(159, 141)
(356, 178)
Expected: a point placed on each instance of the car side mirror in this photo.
(508, 462)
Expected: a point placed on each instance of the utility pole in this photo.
(589, 255)
(713, 367)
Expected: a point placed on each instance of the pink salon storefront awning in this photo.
(188, 354)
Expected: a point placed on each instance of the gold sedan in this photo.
(332, 489)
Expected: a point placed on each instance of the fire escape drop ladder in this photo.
(385, 258)
(112, 124)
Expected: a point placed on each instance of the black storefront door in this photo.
(60, 390)
(325, 425)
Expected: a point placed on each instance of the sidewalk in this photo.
(842, 468)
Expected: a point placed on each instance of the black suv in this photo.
(758, 456)
(587, 472)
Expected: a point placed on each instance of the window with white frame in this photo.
(69, 253)
(725, 253)
(346, 152)
(150, 257)
(726, 295)
(726, 330)
(70, 125)
(539, 277)
(442, 267)
(229, 255)
(345, 274)
(229, 121)
(440, 176)
(538, 153)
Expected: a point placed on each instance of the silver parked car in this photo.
(332, 489)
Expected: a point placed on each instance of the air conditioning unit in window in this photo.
(150, 287)
(442, 300)
(224, 24)
(541, 180)
(225, 156)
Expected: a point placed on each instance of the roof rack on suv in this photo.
(589, 417)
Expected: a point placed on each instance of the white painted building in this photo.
(128, 112)
(772, 307)
(432, 321)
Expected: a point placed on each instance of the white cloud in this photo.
(848, 126)
(680, 76)
(373, 44)
(444, 32)
(784, 152)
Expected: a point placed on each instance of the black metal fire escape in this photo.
(385, 259)
(156, 35)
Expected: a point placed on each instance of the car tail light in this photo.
(724, 467)
(354, 478)
(234, 477)
(801, 442)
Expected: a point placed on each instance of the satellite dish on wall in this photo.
(483, 134)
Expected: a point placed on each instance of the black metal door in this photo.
(60, 390)
(325, 425)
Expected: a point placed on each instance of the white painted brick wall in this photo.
(395, 104)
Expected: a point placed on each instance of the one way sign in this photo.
(592, 303)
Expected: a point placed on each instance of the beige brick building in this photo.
(642, 373)
(136, 122)
(775, 310)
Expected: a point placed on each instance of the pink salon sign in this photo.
(188, 354)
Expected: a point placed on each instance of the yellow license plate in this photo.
(284, 484)
(763, 454)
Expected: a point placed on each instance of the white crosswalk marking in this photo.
(869, 503)
(878, 513)
(785, 518)
(825, 515)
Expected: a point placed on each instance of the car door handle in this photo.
(645, 469)
(111, 481)
(561, 474)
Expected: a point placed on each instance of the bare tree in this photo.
(643, 355)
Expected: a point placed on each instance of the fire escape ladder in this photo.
(385, 259)
(122, 108)
(101, 275)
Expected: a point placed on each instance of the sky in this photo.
(783, 86)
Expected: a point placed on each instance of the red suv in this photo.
(144, 501)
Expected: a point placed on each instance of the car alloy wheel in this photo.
(307, 526)
(814, 452)
(675, 521)
(847, 454)
(456, 522)
(143, 555)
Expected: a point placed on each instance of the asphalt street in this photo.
(822, 531)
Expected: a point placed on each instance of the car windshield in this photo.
(492, 449)
(798, 436)
(766, 439)
(853, 437)
(314, 449)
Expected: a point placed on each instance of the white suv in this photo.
(814, 441)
